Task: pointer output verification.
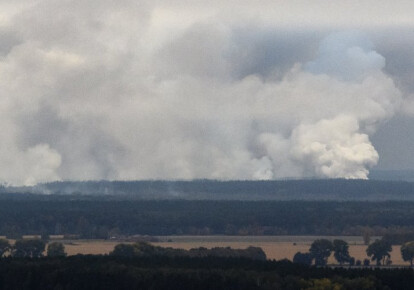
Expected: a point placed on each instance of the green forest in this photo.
(308, 189)
(164, 272)
(96, 218)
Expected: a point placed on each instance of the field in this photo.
(275, 247)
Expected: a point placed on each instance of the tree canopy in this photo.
(143, 249)
(101, 219)
(56, 249)
(407, 252)
(32, 248)
(302, 258)
(341, 251)
(320, 250)
(379, 251)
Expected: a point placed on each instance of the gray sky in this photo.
(204, 89)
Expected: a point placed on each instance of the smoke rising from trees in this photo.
(126, 90)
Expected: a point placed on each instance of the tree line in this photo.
(308, 189)
(144, 266)
(144, 249)
(379, 252)
(30, 248)
(103, 219)
(183, 272)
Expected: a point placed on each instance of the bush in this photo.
(56, 249)
(302, 258)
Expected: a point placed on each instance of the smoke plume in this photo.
(102, 92)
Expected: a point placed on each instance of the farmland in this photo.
(275, 247)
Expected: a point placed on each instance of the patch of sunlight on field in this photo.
(89, 247)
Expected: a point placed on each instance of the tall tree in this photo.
(320, 250)
(341, 251)
(379, 251)
(407, 252)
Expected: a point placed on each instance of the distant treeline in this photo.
(163, 272)
(144, 249)
(96, 218)
(331, 189)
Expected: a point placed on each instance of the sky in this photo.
(125, 90)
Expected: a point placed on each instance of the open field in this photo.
(94, 247)
(275, 247)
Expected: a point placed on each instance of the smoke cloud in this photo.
(126, 91)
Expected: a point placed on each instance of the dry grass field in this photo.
(86, 247)
(274, 247)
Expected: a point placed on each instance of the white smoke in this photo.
(106, 93)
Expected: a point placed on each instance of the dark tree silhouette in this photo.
(407, 252)
(341, 251)
(379, 251)
(28, 248)
(320, 250)
(124, 250)
(56, 249)
(302, 258)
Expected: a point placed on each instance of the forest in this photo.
(97, 218)
(307, 189)
(164, 272)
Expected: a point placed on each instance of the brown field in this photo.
(94, 247)
(274, 247)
